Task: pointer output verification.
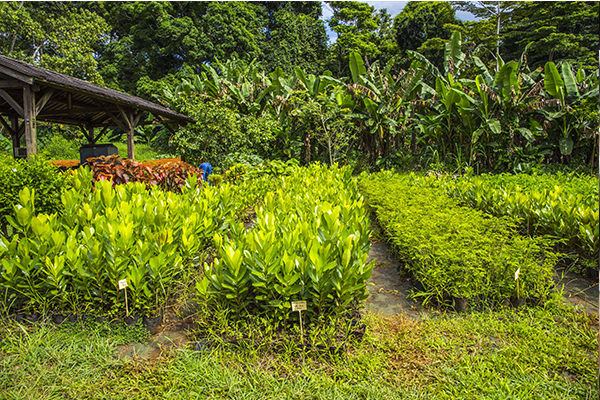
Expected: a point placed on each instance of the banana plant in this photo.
(568, 89)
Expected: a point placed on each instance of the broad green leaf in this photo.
(553, 83)
(569, 79)
(357, 67)
(494, 126)
(452, 52)
(566, 146)
(526, 134)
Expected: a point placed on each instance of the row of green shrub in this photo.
(457, 251)
(310, 242)
(35, 174)
(72, 261)
(562, 205)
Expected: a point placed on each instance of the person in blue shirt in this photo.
(207, 168)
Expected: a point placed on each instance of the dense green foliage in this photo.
(310, 242)
(564, 206)
(462, 115)
(309, 245)
(457, 250)
(425, 97)
(71, 262)
(37, 174)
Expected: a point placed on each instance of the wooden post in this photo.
(90, 134)
(29, 112)
(14, 122)
(130, 152)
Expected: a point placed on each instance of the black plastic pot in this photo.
(517, 302)
(152, 323)
(34, 317)
(189, 308)
(591, 273)
(419, 286)
(202, 346)
(460, 304)
(338, 351)
(58, 318)
(131, 320)
(96, 150)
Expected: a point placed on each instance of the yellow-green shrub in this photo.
(457, 250)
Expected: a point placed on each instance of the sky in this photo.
(393, 8)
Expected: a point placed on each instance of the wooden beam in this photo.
(17, 75)
(89, 134)
(6, 126)
(15, 106)
(125, 116)
(42, 102)
(117, 122)
(10, 84)
(16, 138)
(165, 123)
(131, 120)
(21, 128)
(100, 134)
(76, 111)
(30, 120)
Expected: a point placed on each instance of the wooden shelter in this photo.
(29, 94)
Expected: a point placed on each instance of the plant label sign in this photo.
(122, 284)
(298, 305)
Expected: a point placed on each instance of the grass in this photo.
(143, 151)
(541, 353)
(59, 148)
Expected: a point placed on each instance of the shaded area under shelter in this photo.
(29, 94)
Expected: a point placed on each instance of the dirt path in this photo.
(389, 289)
(578, 291)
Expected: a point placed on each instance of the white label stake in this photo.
(123, 286)
(299, 306)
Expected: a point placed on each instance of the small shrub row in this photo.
(310, 242)
(37, 174)
(457, 251)
(564, 206)
(72, 262)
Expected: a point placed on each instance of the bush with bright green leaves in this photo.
(562, 205)
(37, 173)
(310, 242)
(71, 262)
(454, 250)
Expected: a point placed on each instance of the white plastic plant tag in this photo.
(122, 284)
(517, 273)
(298, 305)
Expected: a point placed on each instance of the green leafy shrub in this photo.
(36, 174)
(215, 133)
(310, 242)
(73, 261)
(58, 147)
(562, 205)
(454, 250)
